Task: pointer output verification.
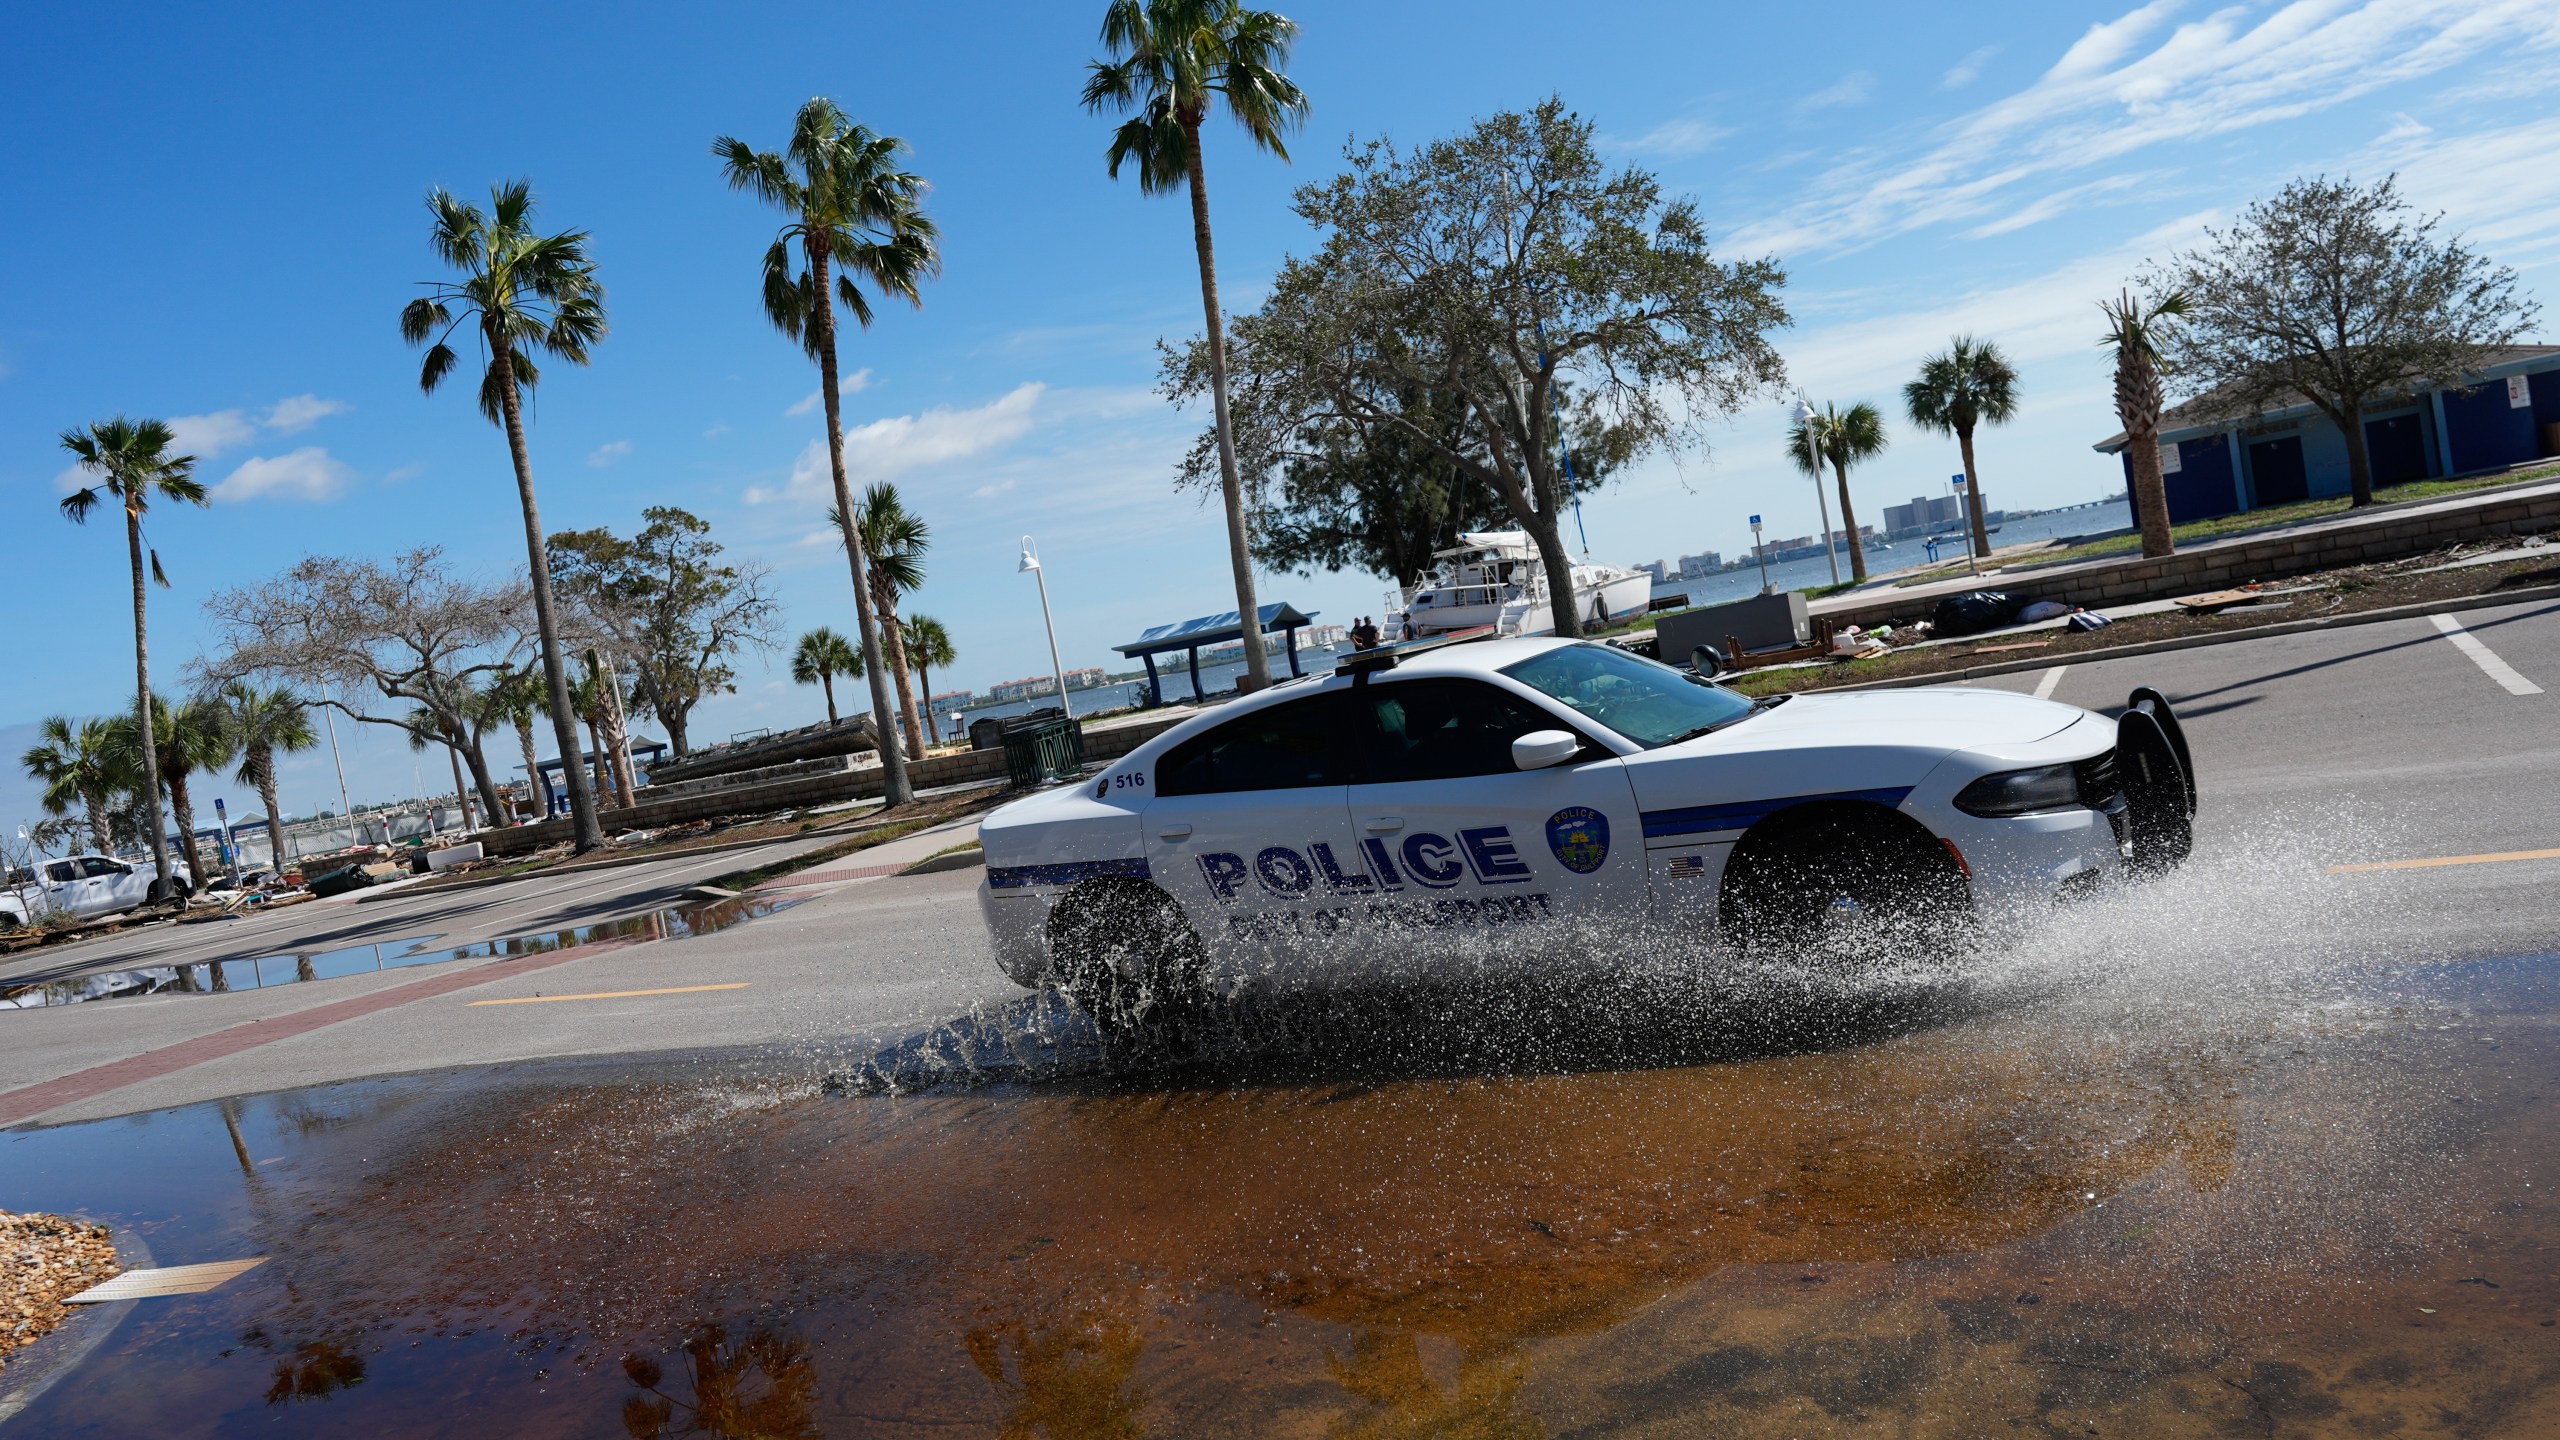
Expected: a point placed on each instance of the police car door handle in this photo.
(1174, 832)
(1382, 824)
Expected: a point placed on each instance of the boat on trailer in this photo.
(1494, 580)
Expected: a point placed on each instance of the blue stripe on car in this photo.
(1743, 814)
(1015, 877)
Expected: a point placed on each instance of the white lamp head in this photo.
(1804, 411)
(1030, 558)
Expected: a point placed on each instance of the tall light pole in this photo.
(1813, 462)
(1031, 562)
(328, 717)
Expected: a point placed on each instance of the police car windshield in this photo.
(1644, 700)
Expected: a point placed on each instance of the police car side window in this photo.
(1285, 747)
(1445, 729)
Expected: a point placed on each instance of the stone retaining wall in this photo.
(2273, 556)
(862, 781)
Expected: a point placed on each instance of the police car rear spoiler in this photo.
(1385, 657)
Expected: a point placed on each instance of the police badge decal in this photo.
(1580, 837)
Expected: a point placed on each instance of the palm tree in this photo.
(180, 741)
(131, 460)
(857, 216)
(263, 723)
(929, 646)
(516, 696)
(895, 538)
(429, 727)
(2134, 332)
(1844, 438)
(1970, 384)
(1169, 59)
(76, 766)
(821, 657)
(521, 292)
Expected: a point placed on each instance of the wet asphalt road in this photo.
(2375, 743)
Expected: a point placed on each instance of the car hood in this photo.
(1943, 718)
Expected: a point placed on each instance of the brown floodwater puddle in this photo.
(2321, 1214)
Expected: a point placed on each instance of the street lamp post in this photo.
(1057, 667)
(1763, 552)
(1813, 460)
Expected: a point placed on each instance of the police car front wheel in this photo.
(1124, 954)
(1828, 885)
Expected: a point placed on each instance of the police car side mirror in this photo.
(1541, 748)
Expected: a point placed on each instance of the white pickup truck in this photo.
(82, 886)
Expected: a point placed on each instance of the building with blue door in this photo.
(2213, 462)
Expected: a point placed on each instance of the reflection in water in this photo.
(1385, 1373)
(315, 1370)
(1069, 1381)
(762, 1388)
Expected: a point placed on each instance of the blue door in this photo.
(2275, 470)
(2395, 450)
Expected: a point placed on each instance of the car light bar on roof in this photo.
(1386, 656)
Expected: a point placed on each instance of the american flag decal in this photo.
(1688, 867)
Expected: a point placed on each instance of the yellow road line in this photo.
(2431, 864)
(613, 994)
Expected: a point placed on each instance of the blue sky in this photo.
(216, 212)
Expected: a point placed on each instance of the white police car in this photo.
(1444, 805)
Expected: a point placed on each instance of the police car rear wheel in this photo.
(1127, 958)
(1840, 890)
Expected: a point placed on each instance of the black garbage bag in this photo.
(1975, 611)
(339, 881)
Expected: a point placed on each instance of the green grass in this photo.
(2276, 516)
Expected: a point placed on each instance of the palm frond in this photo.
(77, 505)
(159, 576)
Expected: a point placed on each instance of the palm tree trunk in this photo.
(265, 761)
(604, 771)
(1257, 666)
(1973, 494)
(932, 724)
(893, 765)
(2150, 492)
(183, 801)
(1849, 525)
(893, 638)
(142, 702)
(555, 675)
(101, 833)
(461, 796)
(617, 731)
(532, 765)
(827, 682)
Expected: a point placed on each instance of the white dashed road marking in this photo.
(2052, 678)
(2484, 657)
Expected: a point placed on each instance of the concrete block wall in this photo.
(2280, 555)
(861, 781)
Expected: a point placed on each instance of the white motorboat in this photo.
(1494, 578)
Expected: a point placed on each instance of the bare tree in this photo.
(411, 630)
(666, 608)
(1478, 275)
(2340, 295)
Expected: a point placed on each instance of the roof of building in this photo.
(2208, 414)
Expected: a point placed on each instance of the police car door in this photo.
(1248, 830)
(1474, 850)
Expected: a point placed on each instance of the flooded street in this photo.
(2054, 1198)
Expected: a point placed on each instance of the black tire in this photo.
(1841, 887)
(2158, 795)
(1126, 957)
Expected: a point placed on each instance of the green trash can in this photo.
(1043, 750)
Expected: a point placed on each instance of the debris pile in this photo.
(45, 1260)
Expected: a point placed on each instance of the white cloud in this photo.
(2498, 187)
(297, 413)
(309, 473)
(1853, 88)
(1676, 137)
(2133, 83)
(1967, 70)
(989, 492)
(410, 471)
(205, 436)
(853, 384)
(887, 448)
(715, 432)
(608, 453)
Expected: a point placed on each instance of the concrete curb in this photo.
(969, 859)
(2192, 642)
